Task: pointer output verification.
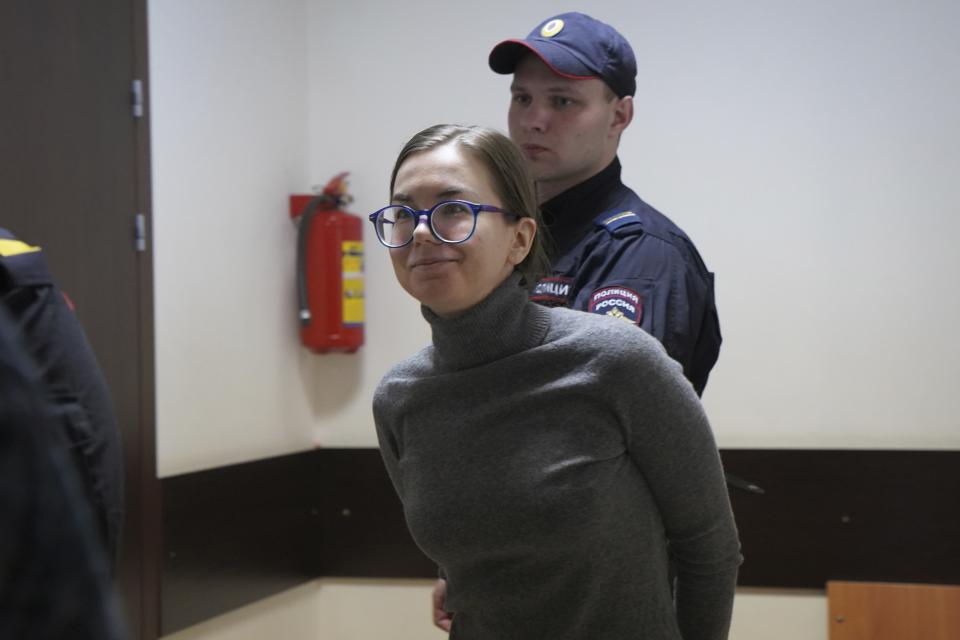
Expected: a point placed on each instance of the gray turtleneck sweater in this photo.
(545, 458)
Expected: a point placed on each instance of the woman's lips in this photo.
(430, 262)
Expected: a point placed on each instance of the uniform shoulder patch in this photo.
(553, 291)
(619, 222)
(618, 302)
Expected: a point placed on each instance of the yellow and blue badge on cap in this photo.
(617, 302)
(552, 28)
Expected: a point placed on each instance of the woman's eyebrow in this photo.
(453, 191)
(450, 192)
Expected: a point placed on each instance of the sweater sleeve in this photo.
(383, 418)
(669, 438)
(386, 434)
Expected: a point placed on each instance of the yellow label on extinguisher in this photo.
(352, 269)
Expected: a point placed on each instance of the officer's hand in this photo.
(441, 618)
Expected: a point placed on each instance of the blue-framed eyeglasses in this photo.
(451, 221)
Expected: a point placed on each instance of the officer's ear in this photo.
(622, 115)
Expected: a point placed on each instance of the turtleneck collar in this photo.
(570, 214)
(502, 324)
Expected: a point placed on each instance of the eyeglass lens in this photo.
(451, 221)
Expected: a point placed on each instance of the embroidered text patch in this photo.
(618, 302)
(553, 292)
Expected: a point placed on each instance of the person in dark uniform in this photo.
(574, 78)
(72, 380)
(54, 578)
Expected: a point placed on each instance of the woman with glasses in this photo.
(545, 458)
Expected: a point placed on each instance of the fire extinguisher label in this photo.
(352, 269)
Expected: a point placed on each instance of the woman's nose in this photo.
(422, 232)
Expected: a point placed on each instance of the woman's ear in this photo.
(523, 234)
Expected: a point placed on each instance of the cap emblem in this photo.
(552, 28)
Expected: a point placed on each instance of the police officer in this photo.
(71, 378)
(574, 78)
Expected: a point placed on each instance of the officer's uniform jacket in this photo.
(54, 582)
(76, 389)
(616, 255)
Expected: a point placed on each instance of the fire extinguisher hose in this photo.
(315, 205)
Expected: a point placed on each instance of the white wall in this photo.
(810, 149)
(228, 114)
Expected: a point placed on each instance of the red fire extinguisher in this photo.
(329, 269)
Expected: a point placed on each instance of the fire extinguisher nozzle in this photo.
(305, 316)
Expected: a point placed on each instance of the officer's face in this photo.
(567, 129)
(451, 278)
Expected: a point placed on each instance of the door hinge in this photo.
(136, 98)
(140, 231)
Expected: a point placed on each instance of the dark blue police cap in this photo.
(574, 45)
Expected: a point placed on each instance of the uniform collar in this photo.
(502, 324)
(570, 215)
